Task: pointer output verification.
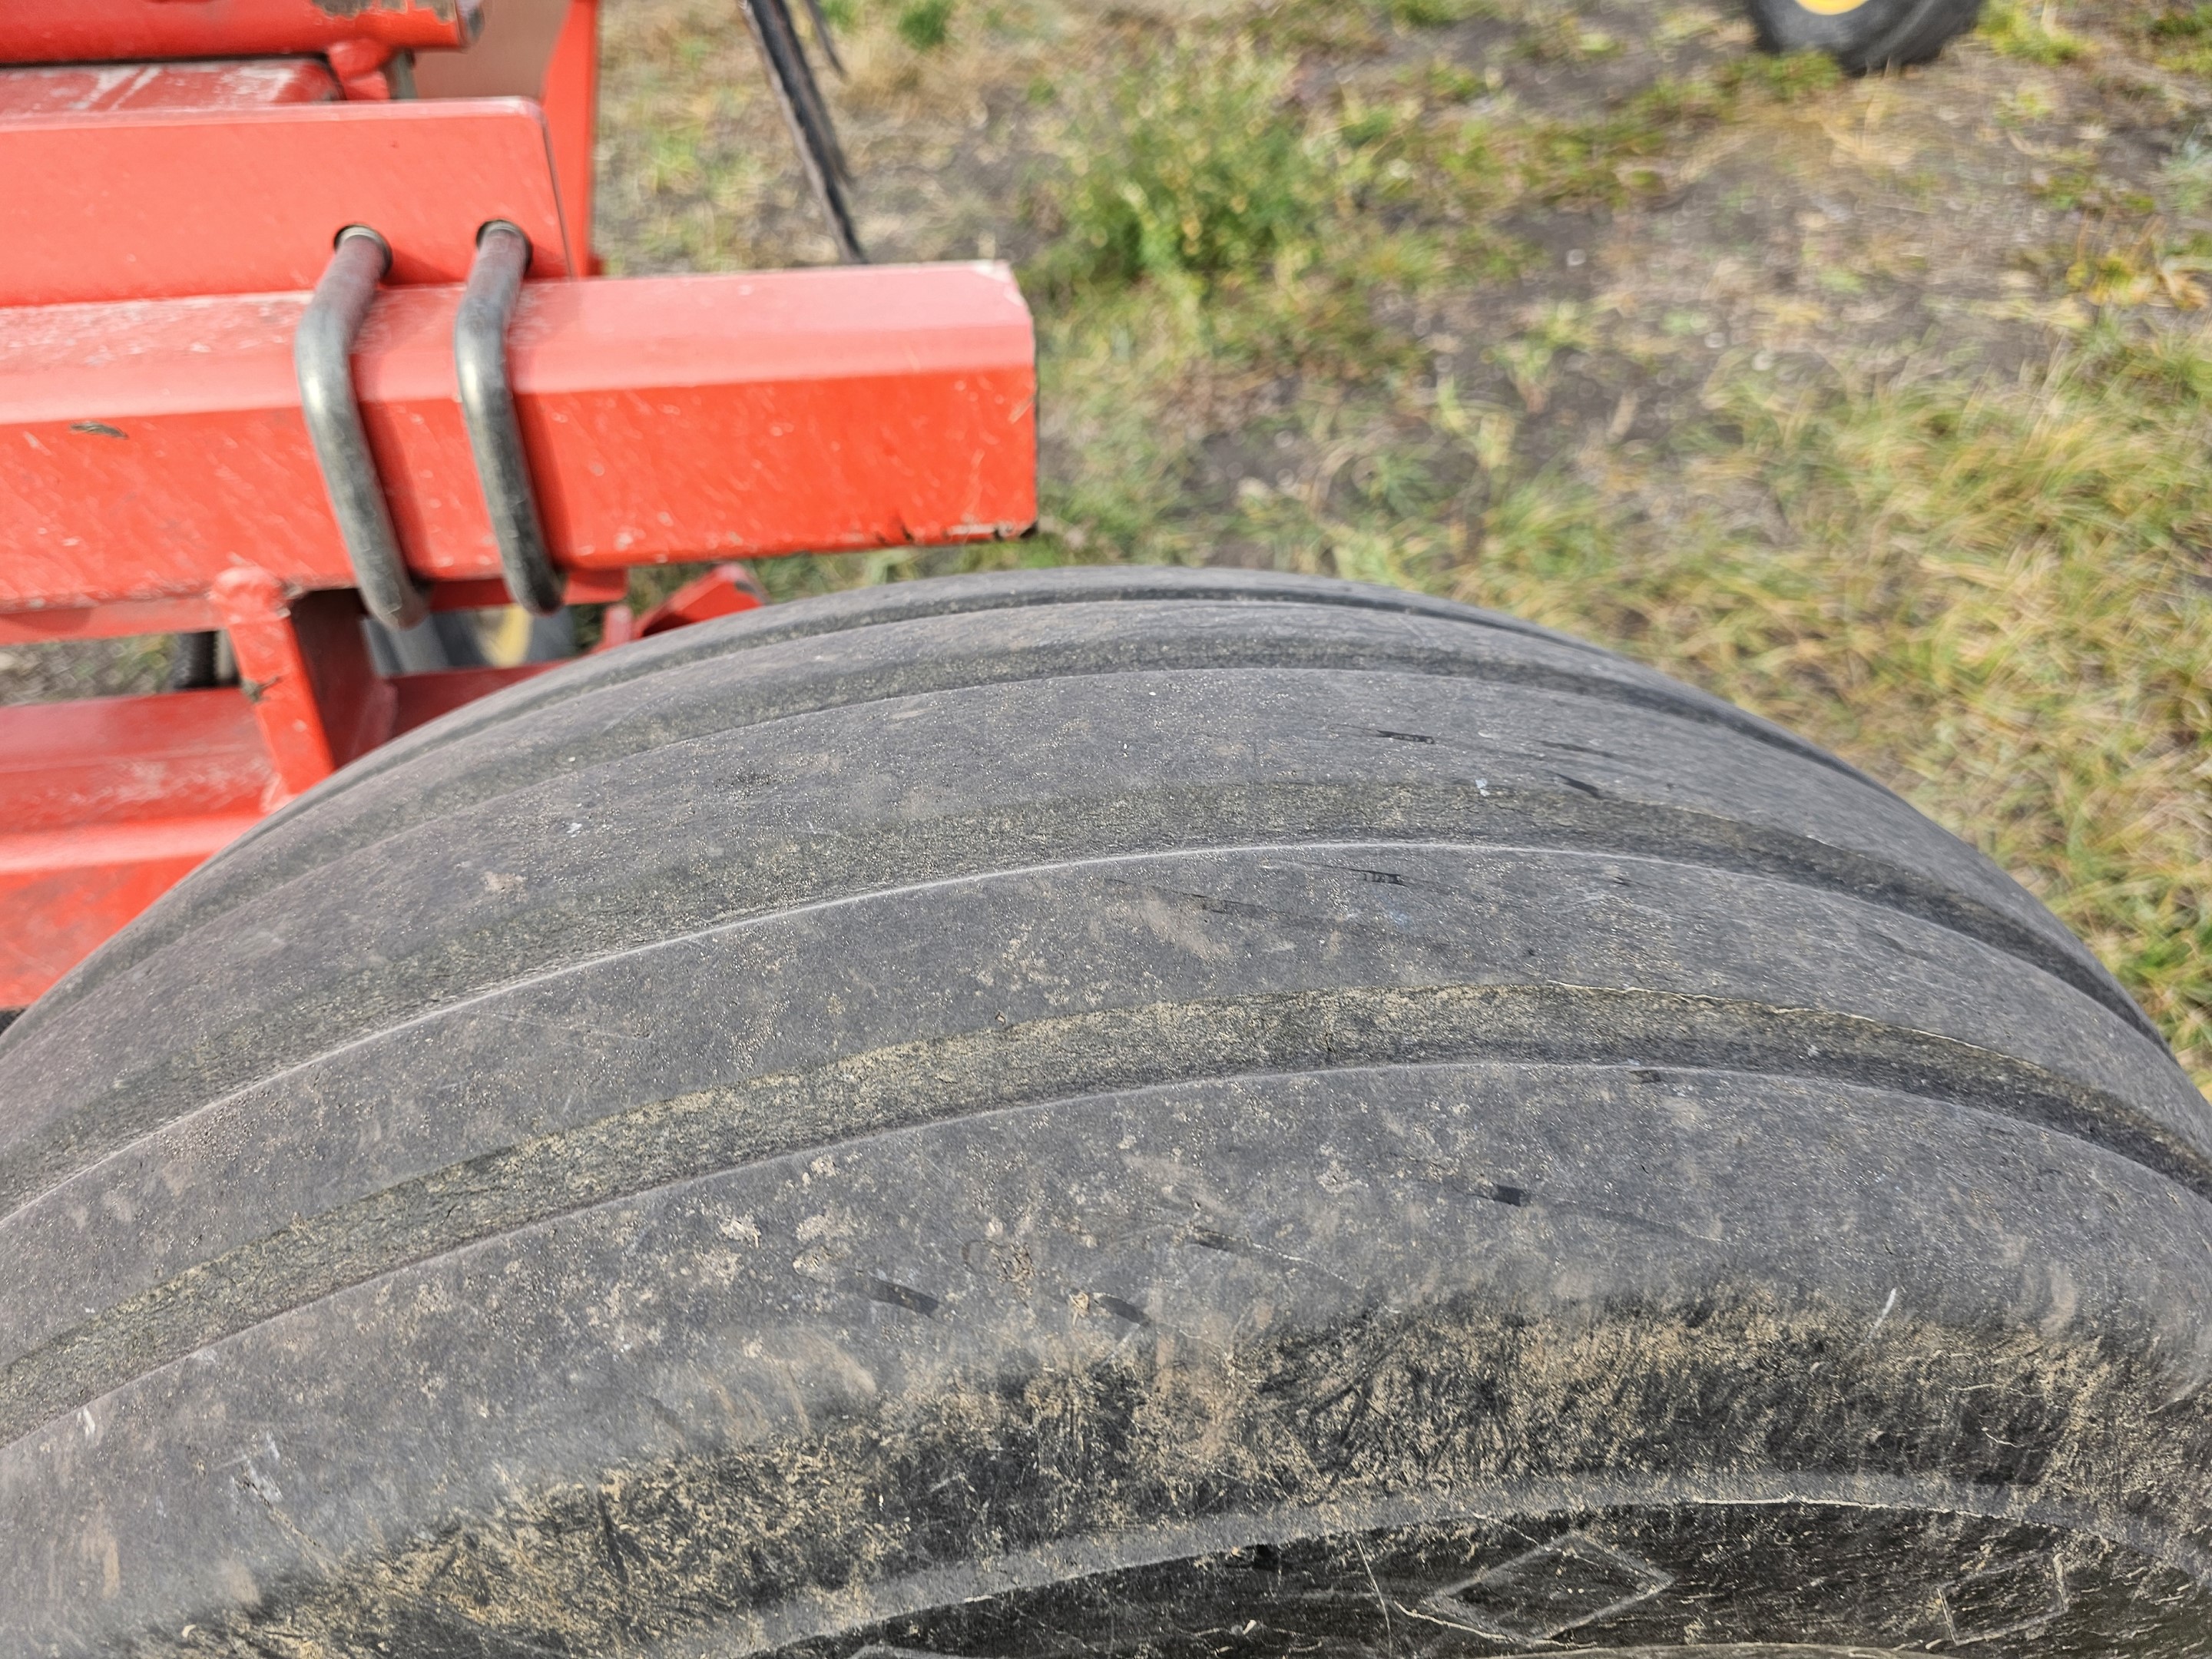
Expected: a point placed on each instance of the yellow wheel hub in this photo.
(1831, 8)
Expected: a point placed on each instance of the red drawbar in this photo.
(124, 617)
(63, 892)
(105, 803)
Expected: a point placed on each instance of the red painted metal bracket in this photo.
(146, 204)
(303, 663)
(105, 803)
(724, 591)
(145, 448)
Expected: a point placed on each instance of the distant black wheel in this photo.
(1864, 36)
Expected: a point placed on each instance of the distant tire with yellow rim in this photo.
(1864, 36)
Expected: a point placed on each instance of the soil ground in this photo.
(1879, 406)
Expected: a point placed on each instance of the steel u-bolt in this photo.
(488, 406)
(322, 360)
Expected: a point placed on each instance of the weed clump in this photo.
(2182, 23)
(2180, 38)
(924, 24)
(1605, 160)
(1786, 76)
(1202, 166)
(2017, 32)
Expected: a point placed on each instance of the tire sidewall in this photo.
(1869, 36)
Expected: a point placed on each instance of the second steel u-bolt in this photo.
(488, 406)
(322, 359)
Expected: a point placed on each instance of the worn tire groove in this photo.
(712, 1130)
(346, 1012)
(489, 783)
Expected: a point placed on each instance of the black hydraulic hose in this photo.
(812, 130)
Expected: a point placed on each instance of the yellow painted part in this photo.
(1831, 8)
(510, 637)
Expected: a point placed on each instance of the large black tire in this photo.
(1118, 1113)
(1866, 37)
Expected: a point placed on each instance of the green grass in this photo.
(924, 24)
(1987, 591)
(1436, 13)
(1196, 168)
(2025, 29)
(2180, 37)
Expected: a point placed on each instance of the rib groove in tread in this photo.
(1041, 1062)
(170, 921)
(1589, 830)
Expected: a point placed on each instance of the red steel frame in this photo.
(178, 170)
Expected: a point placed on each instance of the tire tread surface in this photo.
(1049, 1101)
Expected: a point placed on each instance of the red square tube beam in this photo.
(154, 203)
(147, 446)
(104, 31)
